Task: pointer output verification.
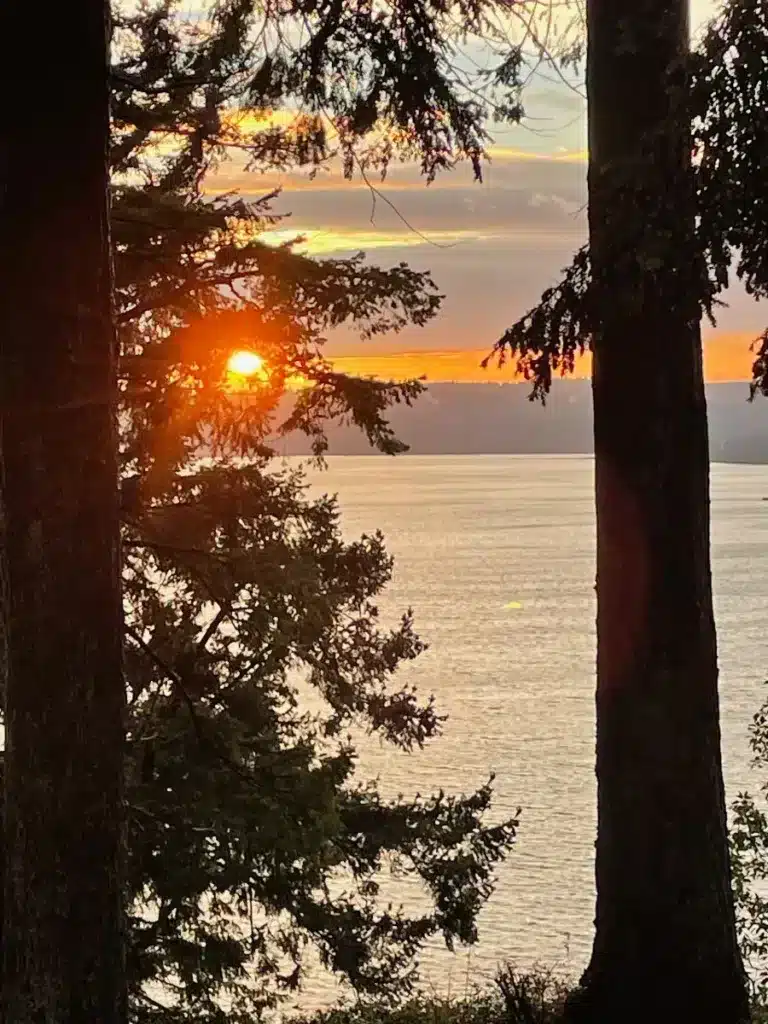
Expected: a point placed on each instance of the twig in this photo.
(212, 627)
(173, 676)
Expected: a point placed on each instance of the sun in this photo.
(245, 364)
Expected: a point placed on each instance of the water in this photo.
(471, 534)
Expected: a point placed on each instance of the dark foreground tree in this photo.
(665, 945)
(732, 139)
(254, 641)
(665, 941)
(749, 851)
(64, 696)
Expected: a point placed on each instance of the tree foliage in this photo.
(661, 849)
(61, 642)
(724, 100)
(732, 141)
(725, 103)
(254, 640)
(749, 856)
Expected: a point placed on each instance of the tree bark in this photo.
(63, 956)
(665, 947)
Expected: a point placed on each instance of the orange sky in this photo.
(726, 357)
(492, 248)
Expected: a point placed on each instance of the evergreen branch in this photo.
(175, 677)
(181, 84)
(167, 669)
(213, 625)
(177, 549)
(550, 336)
(178, 256)
(162, 300)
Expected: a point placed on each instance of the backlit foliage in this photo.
(253, 638)
(724, 101)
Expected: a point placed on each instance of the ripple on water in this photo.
(470, 535)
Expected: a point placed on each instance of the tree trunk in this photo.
(63, 933)
(665, 946)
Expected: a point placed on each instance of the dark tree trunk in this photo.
(665, 946)
(63, 934)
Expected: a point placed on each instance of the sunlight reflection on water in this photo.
(471, 534)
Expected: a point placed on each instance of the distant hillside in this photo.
(470, 419)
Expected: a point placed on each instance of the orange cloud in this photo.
(458, 365)
(232, 176)
(726, 357)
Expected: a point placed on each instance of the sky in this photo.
(492, 248)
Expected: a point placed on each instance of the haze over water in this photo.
(471, 534)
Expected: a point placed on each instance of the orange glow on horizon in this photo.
(459, 366)
(727, 357)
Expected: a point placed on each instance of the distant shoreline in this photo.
(475, 419)
(489, 455)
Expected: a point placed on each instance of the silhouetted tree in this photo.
(64, 694)
(254, 642)
(731, 141)
(665, 945)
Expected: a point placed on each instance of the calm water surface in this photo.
(470, 535)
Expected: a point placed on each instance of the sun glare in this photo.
(245, 364)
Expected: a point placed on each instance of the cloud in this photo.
(523, 196)
(457, 365)
(727, 357)
(492, 248)
(232, 174)
(323, 242)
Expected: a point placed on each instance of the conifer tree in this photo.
(664, 232)
(253, 638)
(62, 937)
